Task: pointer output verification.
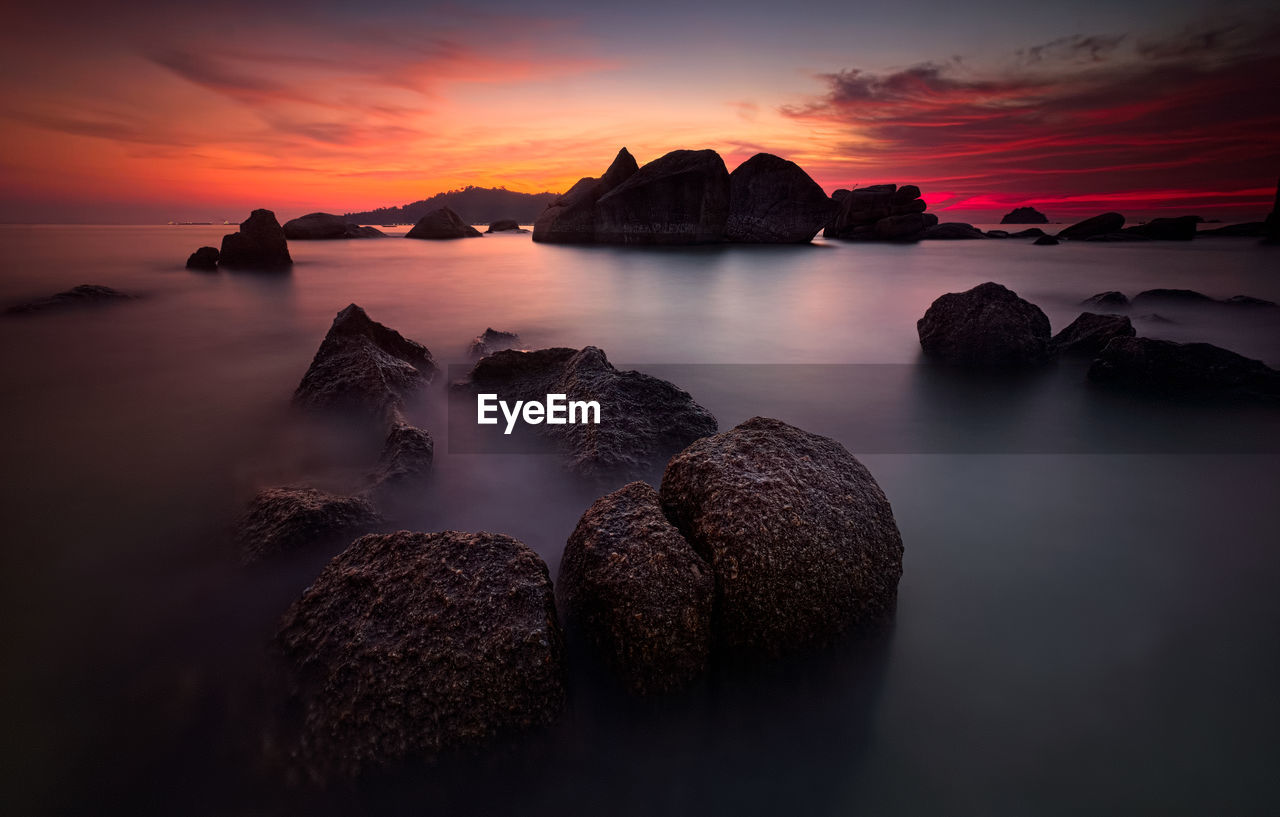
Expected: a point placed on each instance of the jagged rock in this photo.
(205, 258)
(1089, 333)
(288, 519)
(1024, 215)
(442, 225)
(572, 219)
(801, 539)
(259, 245)
(988, 325)
(1030, 232)
(1183, 369)
(679, 198)
(1107, 300)
(326, 226)
(506, 225)
(1098, 225)
(409, 645)
(405, 461)
(638, 592)
(1046, 241)
(491, 340)
(951, 231)
(1182, 228)
(364, 368)
(82, 295)
(773, 201)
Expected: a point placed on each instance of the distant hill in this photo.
(475, 205)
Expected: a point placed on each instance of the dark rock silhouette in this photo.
(474, 205)
(506, 225)
(1272, 224)
(638, 592)
(326, 226)
(952, 231)
(1024, 215)
(881, 212)
(283, 520)
(1110, 300)
(1249, 302)
(679, 198)
(82, 295)
(1150, 298)
(1090, 227)
(259, 245)
(1182, 228)
(1030, 232)
(801, 539)
(571, 219)
(1250, 229)
(205, 258)
(1089, 333)
(1046, 241)
(405, 462)
(773, 201)
(409, 645)
(1183, 369)
(491, 340)
(988, 325)
(997, 234)
(442, 225)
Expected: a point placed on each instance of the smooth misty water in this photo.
(1087, 620)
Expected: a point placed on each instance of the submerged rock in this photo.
(638, 591)
(1089, 333)
(773, 201)
(1098, 225)
(364, 368)
(260, 244)
(283, 520)
(1046, 241)
(1183, 369)
(1249, 229)
(1024, 215)
(951, 231)
(505, 225)
(409, 645)
(997, 234)
(205, 258)
(491, 340)
(988, 325)
(326, 226)
(1249, 302)
(800, 538)
(1030, 232)
(679, 198)
(572, 218)
(1107, 300)
(1171, 297)
(82, 295)
(442, 225)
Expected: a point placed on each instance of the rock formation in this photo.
(441, 225)
(491, 340)
(82, 295)
(326, 226)
(283, 520)
(259, 245)
(1096, 226)
(882, 212)
(506, 225)
(1110, 300)
(205, 259)
(952, 231)
(1182, 228)
(985, 326)
(1024, 215)
(572, 218)
(679, 198)
(1090, 333)
(773, 201)
(1183, 370)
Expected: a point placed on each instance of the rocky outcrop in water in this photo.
(442, 225)
(410, 645)
(1030, 232)
(405, 462)
(506, 225)
(491, 340)
(988, 325)
(1183, 370)
(1249, 229)
(259, 245)
(1024, 215)
(638, 592)
(882, 212)
(953, 231)
(82, 295)
(1182, 228)
(1091, 227)
(679, 198)
(1110, 300)
(1152, 298)
(288, 519)
(204, 259)
(773, 201)
(572, 218)
(326, 226)
(1272, 224)
(1046, 241)
(1090, 333)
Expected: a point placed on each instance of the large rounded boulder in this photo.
(773, 201)
(259, 245)
(679, 198)
(638, 592)
(409, 645)
(800, 538)
(441, 225)
(988, 325)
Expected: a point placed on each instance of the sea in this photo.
(1087, 621)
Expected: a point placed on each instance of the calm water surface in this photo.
(1087, 621)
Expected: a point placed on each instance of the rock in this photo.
(1030, 232)
(326, 226)
(205, 258)
(442, 225)
(1089, 333)
(1250, 229)
(1250, 302)
(906, 194)
(506, 225)
(82, 295)
(410, 645)
(364, 368)
(951, 231)
(638, 591)
(1171, 297)
(284, 520)
(997, 234)
(1107, 300)
(643, 420)
(910, 227)
(1272, 224)
(1098, 225)
(1182, 228)
(1046, 241)
(1155, 317)
(985, 326)
(572, 219)
(773, 201)
(1024, 215)
(260, 244)
(881, 212)
(1117, 237)
(405, 462)
(491, 340)
(1183, 369)
(679, 198)
(801, 539)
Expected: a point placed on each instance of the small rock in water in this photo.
(1046, 241)
(1183, 370)
(1024, 215)
(1107, 300)
(1098, 225)
(491, 340)
(326, 227)
(205, 258)
(441, 225)
(1090, 333)
(506, 225)
(259, 245)
(988, 325)
(283, 520)
(82, 295)
(952, 231)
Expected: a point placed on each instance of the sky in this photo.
(164, 111)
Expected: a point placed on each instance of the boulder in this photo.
(1107, 300)
(1151, 298)
(326, 226)
(506, 225)
(442, 225)
(205, 258)
(909, 227)
(364, 368)
(638, 591)
(411, 645)
(988, 325)
(643, 420)
(773, 201)
(1030, 232)
(1098, 225)
(1024, 215)
(259, 245)
(491, 340)
(880, 212)
(997, 234)
(1249, 229)
(679, 198)
(1182, 228)
(288, 519)
(82, 295)
(1183, 369)
(1046, 241)
(1089, 333)
(800, 538)
(951, 231)
(405, 462)
(572, 218)
(1249, 302)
